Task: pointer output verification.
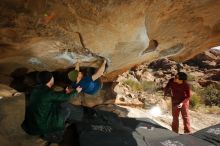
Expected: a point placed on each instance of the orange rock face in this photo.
(51, 34)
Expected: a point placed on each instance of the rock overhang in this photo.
(50, 35)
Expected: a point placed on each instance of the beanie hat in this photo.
(44, 77)
(72, 75)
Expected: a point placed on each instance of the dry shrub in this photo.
(211, 95)
(136, 86)
(195, 101)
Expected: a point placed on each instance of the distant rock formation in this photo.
(207, 60)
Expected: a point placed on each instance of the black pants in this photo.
(71, 114)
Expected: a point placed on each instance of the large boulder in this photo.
(12, 115)
(51, 34)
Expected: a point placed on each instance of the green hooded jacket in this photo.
(42, 111)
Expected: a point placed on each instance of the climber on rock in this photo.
(90, 84)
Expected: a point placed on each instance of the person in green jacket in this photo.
(47, 111)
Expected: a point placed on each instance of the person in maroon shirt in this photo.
(180, 93)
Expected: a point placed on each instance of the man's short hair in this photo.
(182, 76)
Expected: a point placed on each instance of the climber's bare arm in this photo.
(99, 72)
(77, 65)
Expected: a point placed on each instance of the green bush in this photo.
(136, 86)
(149, 86)
(211, 95)
(195, 88)
(195, 101)
(191, 77)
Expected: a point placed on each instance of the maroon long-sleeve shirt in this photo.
(179, 92)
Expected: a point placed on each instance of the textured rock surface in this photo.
(12, 115)
(50, 34)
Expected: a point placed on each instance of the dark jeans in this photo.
(71, 114)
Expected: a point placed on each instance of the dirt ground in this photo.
(198, 120)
